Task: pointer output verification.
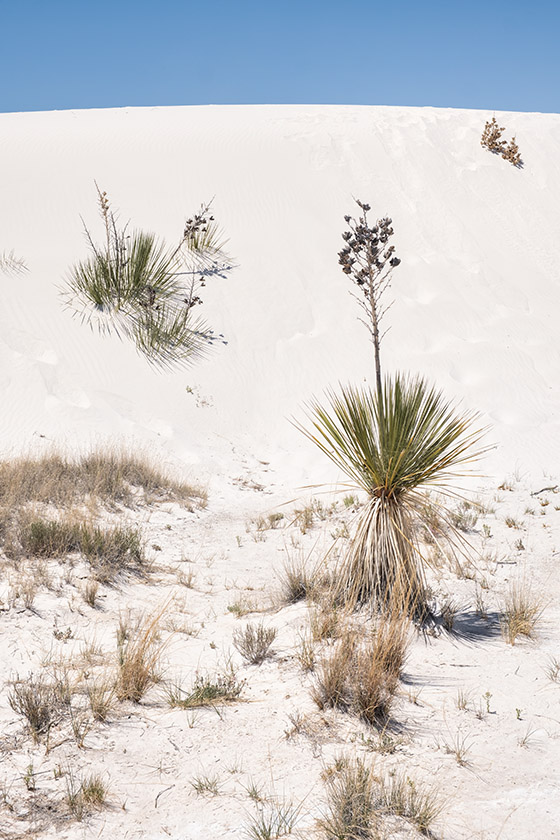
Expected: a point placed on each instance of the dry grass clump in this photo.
(109, 476)
(253, 642)
(351, 795)
(38, 701)
(361, 675)
(108, 550)
(82, 796)
(401, 796)
(94, 790)
(299, 580)
(139, 654)
(101, 697)
(521, 613)
(326, 621)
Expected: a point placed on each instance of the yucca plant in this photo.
(136, 286)
(393, 444)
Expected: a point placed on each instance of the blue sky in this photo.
(59, 54)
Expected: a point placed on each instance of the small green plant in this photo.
(351, 802)
(206, 690)
(487, 697)
(253, 642)
(29, 778)
(272, 821)
(459, 748)
(462, 700)
(511, 522)
(206, 783)
(243, 606)
(255, 791)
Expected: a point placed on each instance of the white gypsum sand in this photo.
(476, 303)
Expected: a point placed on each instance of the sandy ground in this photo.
(476, 301)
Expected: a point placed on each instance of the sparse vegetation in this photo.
(94, 790)
(361, 675)
(417, 803)
(110, 476)
(449, 611)
(137, 287)
(253, 642)
(459, 748)
(272, 821)
(299, 580)
(101, 697)
(492, 140)
(351, 802)
(360, 432)
(206, 690)
(108, 550)
(38, 701)
(553, 669)
(464, 517)
(521, 613)
(206, 783)
(139, 654)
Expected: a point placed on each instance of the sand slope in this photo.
(475, 296)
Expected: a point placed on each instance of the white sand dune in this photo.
(476, 295)
(477, 306)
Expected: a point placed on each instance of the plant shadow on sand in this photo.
(472, 628)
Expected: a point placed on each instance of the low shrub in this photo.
(206, 690)
(253, 642)
(38, 701)
(362, 675)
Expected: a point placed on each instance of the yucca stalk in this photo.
(392, 444)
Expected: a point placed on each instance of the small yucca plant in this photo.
(392, 444)
(137, 287)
